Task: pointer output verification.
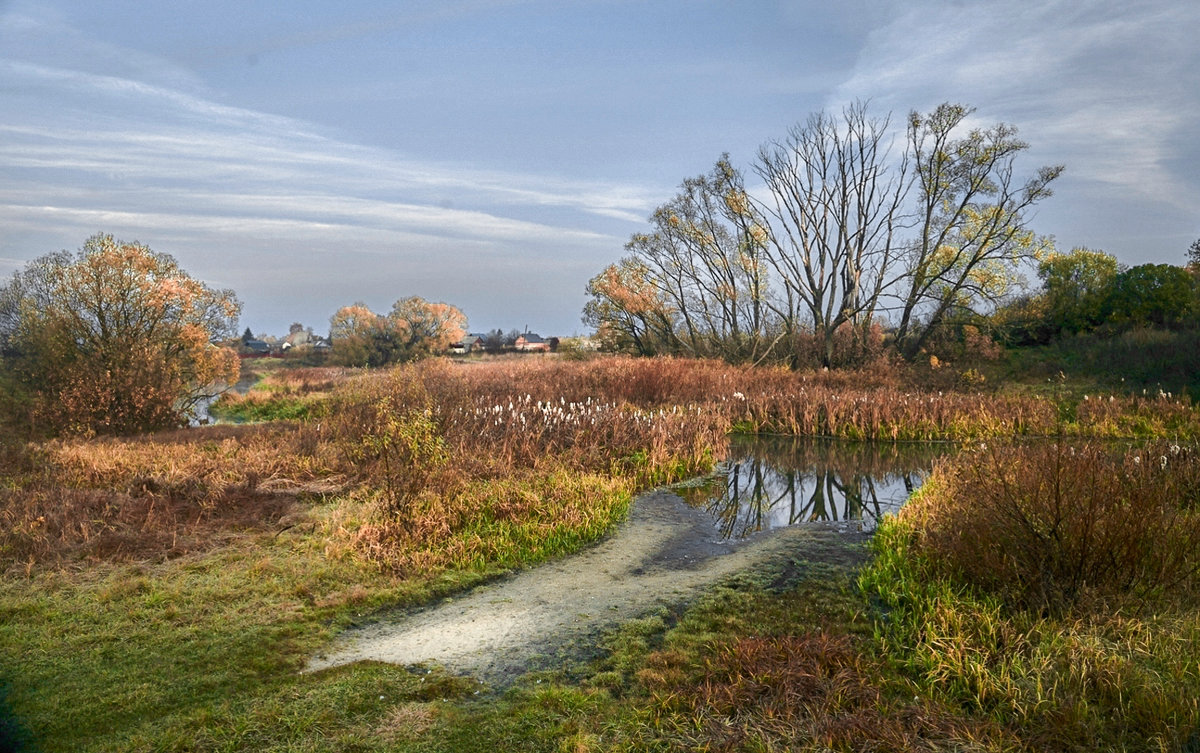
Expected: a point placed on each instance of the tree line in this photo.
(118, 339)
(848, 233)
(1088, 291)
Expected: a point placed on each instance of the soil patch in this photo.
(663, 556)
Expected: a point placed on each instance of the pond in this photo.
(772, 482)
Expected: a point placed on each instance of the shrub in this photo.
(1058, 527)
(386, 429)
(1108, 682)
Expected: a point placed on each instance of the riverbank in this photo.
(661, 558)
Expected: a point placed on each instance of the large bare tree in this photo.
(696, 283)
(835, 205)
(843, 226)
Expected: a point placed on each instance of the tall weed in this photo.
(1057, 527)
(1104, 682)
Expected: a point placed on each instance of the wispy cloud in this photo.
(234, 146)
(1107, 87)
(239, 192)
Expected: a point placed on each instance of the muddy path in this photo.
(665, 554)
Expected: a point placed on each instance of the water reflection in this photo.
(770, 482)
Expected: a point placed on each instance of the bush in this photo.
(387, 430)
(1108, 682)
(114, 340)
(1058, 527)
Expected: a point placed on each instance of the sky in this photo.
(497, 154)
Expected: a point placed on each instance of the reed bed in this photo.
(1053, 590)
(462, 469)
(1066, 526)
(437, 428)
(881, 403)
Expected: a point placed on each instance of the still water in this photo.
(770, 482)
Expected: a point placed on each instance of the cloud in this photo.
(1106, 88)
(236, 194)
(158, 141)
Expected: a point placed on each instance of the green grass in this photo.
(1063, 684)
(204, 653)
(265, 405)
(92, 658)
(1126, 363)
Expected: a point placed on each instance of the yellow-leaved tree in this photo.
(414, 329)
(114, 339)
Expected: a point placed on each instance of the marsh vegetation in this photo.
(162, 591)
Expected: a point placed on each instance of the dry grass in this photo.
(436, 430)
(155, 497)
(1061, 526)
(811, 691)
(408, 721)
(883, 401)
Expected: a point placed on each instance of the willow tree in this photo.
(695, 284)
(427, 327)
(971, 220)
(844, 231)
(835, 203)
(627, 311)
(114, 339)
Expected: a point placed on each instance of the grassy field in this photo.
(163, 592)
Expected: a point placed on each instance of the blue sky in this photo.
(497, 154)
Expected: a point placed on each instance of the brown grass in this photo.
(1061, 526)
(408, 721)
(432, 431)
(812, 691)
(157, 496)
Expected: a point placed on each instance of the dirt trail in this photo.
(663, 555)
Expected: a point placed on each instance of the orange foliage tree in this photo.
(114, 339)
(415, 328)
(628, 313)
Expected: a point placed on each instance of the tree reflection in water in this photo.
(771, 482)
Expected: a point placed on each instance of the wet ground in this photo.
(664, 555)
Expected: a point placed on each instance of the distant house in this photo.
(255, 348)
(468, 344)
(531, 342)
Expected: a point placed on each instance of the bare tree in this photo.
(494, 341)
(835, 209)
(844, 226)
